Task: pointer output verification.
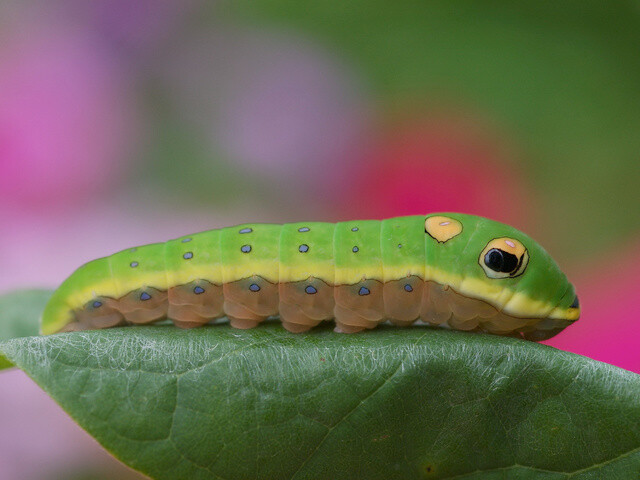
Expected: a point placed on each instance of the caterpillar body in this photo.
(455, 270)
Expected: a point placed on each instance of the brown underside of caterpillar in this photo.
(303, 305)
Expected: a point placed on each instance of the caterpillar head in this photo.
(499, 265)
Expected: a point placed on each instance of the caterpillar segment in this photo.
(451, 270)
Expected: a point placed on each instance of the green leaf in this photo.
(20, 316)
(392, 403)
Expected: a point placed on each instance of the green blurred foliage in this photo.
(20, 316)
(559, 79)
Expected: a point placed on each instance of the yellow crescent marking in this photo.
(442, 228)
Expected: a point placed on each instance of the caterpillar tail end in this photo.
(56, 315)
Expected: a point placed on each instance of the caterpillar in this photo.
(453, 270)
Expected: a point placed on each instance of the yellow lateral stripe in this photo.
(516, 304)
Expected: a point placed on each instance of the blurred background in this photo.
(127, 122)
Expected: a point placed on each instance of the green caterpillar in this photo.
(459, 271)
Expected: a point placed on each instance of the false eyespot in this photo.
(503, 258)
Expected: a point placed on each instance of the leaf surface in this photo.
(397, 403)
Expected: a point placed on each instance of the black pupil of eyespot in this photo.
(501, 261)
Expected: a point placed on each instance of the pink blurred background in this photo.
(123, 123)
